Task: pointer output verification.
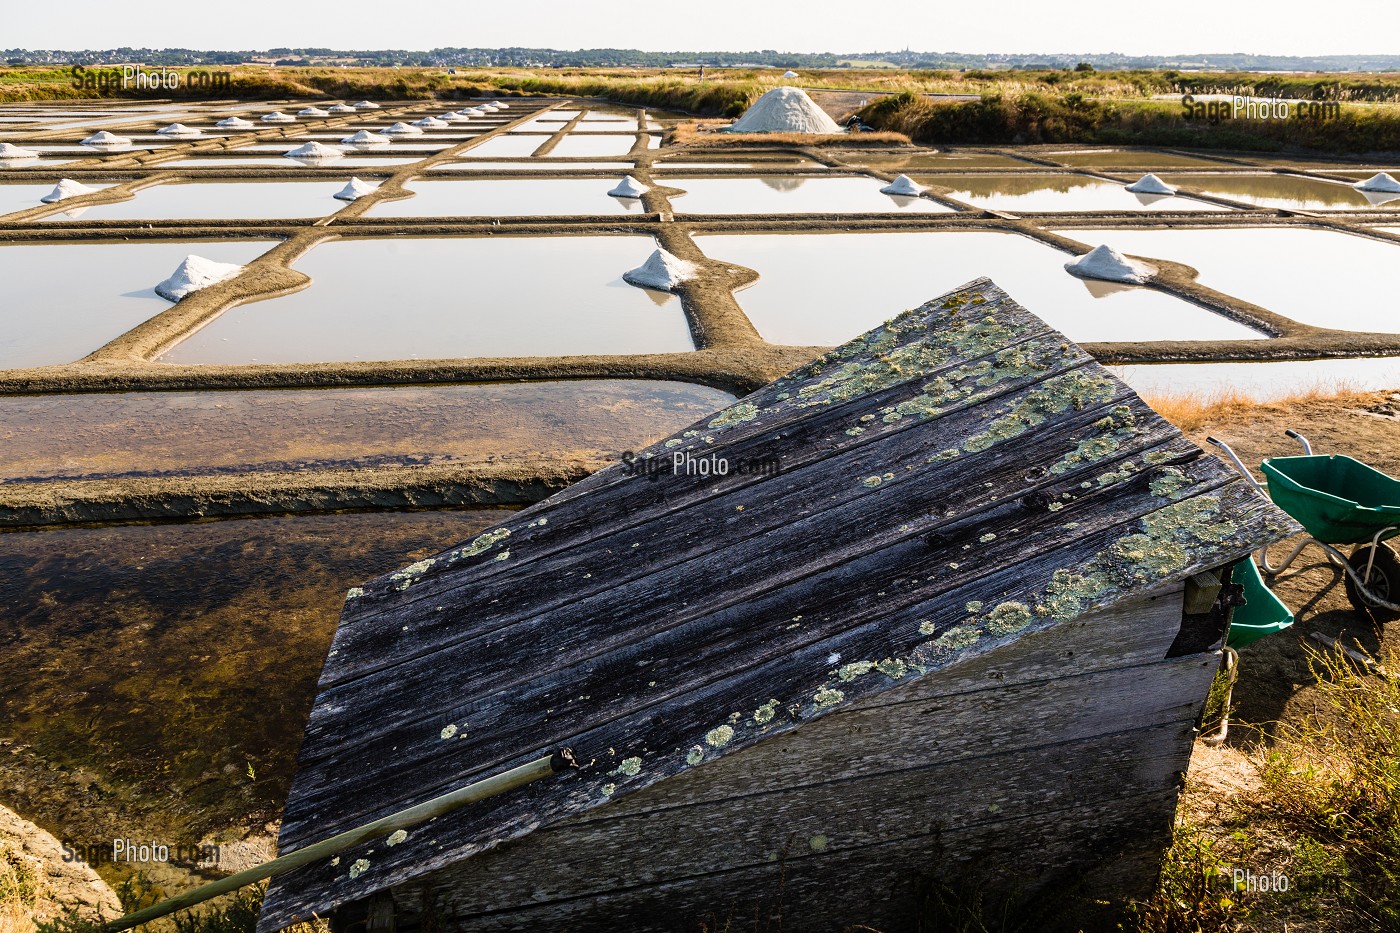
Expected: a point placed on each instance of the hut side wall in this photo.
(1054, 760)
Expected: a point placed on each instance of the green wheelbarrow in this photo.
(1339, 501)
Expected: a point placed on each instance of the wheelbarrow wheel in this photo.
(1384, 581)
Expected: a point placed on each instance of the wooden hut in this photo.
(937, 611)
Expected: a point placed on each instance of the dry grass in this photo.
(21, 883)
(706, 135)
(1191, 411)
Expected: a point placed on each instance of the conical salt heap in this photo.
(11, 151)
(472, 112)
(629, 187)
(903, 186)
(341, 108)
(354, 190)
(1150, 184)
(313, 112)
(278, 116)
(1381, 181)
(194, 273)
(432, 122)
(789, 74)
(67, 188)
(235, 123)
(402, 129)
(662, 271)
(314, 150)
(1106, 263)
(180, 130)
(104, 138)
(454, 117)
(365, 105)
(785, 110)
(366, 138)
(502, 105)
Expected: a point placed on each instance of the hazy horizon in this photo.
(1021, 27)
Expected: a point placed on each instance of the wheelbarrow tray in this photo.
(1262, 614)
(1337, 499)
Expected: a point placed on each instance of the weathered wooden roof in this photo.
(945, 483)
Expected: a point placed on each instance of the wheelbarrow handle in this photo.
(1239, 465)
(1307, 448)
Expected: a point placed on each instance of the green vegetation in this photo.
(234, 913)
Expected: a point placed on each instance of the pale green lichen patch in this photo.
(448, 731)
(827, 696)
(1007, 618)
(719, 736)
(818, 843)
(849, 672)
(870, 482)
(354, 592)
(396, 837)
(1120, 475)
(974, 606)
(1119, 426)
(1075, 390)
(744, 411)
(630, 767)
(674, 442)
(766, 712)
(504, 555)
(480, 544)
(695, 755)
(608, 789)
(942, 455)
(1170, 483)
(360, 866)
(893, 668)
(926, 628)
(406, 577)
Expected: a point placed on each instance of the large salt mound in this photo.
(905, 186)
(194, 273)
(313, 112)
(402, 129)
(454, 117)
(11, 151)
(314, 150)
(104, 138)
(235, 123)
(629, 187)
(502, 105)
(1381, 181)
(431, 122)
(341, 108)
(1104, 262)
(472, 112)
(180, 130)
(366, 138)
(66, 188)
(785, 110)
(278, 116)
(662, 271)
(354, 190)
(365, 105)
(1150, 184)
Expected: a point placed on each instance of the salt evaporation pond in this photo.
(799, 196)
(468, 197)
(64, 300)
(408, 298)
(131, 434)
(1263, 381)
(593, 145)
(1274, 190)
(23, 197)
(1119, 158)
(1029, 193)
(535, 165)
(223, 200)
(924, 159)
(163, 672)
(350, 159)
(507, 147)
(824, 289)
(1318, 277)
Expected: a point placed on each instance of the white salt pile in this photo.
(278, 116)
(1106, 263)
(66, 188)
(180, 130)
(194, 273)
(472, 112)
(785, 110)
(355, 190)
(432, 122)
(905, 186)
(662, 271)
(502, 105)
(341, 108)
(365, 105)
(11, 151)
(402, 129)
(366, 138)
(1381, 181)
(490, 107)
(314, 150)
(313, 112)
(789, 74)
(1150, 184)
(104, 138)
(629, 187)
(454, 117)
(235, 123)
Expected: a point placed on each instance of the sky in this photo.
(1284, 27)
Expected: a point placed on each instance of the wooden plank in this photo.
(665, 671)
(503, 637)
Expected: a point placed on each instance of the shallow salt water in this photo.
(1318, 277)
(789, 195)
(64, 300)
(1056, 193)
(505, 197)
(452, 298)
(200, 433)
(506, 147)
(593, 145)
(23, 197)
(1261, 381)
(1116, 158)
(535, 165)
(924, 159)
(222, 200)
(281, 161)
(1286, 191)
(824, 289)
